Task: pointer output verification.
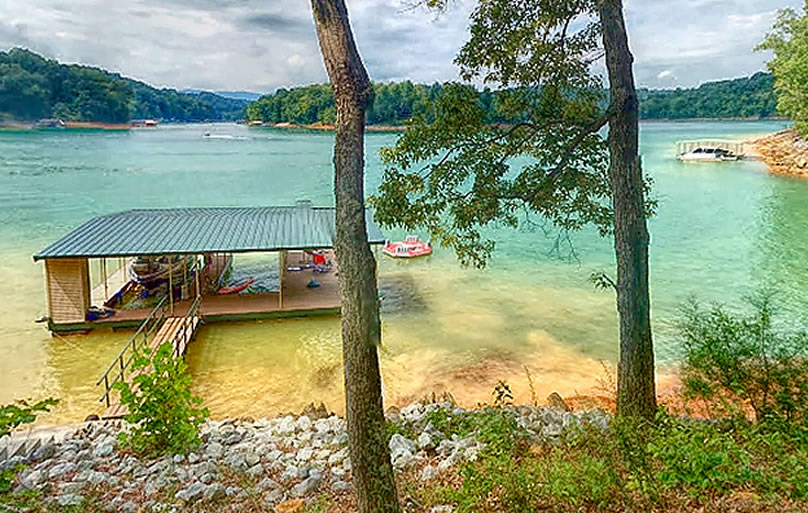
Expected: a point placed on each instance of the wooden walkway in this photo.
(176, 331)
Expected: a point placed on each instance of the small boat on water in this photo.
(708, 154)
(410, 247)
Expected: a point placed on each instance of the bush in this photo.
(745, 359)
(14, 415)
(165, 416)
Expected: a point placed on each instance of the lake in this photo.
(721, 231)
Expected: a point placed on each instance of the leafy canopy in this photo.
(789, 42)
(164, 415)
(461, 175)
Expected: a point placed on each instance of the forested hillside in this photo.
(748, 97)
(32, 88)
(751, 97)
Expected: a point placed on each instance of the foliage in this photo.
(746, 359)
(397, 103)
(789, 42)
(32, 88)
(671, 464)
(23, 412)
(460, 175)
(748, 97)
(163, 414)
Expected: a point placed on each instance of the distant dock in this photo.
(745, 150)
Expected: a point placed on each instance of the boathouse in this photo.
(88, 272)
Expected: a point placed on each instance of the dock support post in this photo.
(198, 272)
(104, 272)
(282, 272)
(170, 286)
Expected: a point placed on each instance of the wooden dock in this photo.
(178, 331)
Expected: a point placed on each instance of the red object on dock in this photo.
(410, 247)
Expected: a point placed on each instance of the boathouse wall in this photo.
(68, 289)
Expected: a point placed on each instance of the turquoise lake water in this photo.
(721, 231)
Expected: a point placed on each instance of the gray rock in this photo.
(338, 472)
(338, 456)
(286, 426)
(289, 474)
(304, 454)
(44, 452)
(237, 462)
(178, 458)
(129, 507)
(207, 478)
(96, 478)
(103, 450)
(213, 492)
(35, 479)
(193, 458)
(341, 486)
(256, 470)
(251, 459)
(425, 441)
(429, 472)
(84, 465)
(268, 484)
(341, 438)
(61, 469)
(72, 487)
(191, 493)
(305, 487)
(274, 497)
(233, 438)
(231, 491)
(214, 450)
(445, 508)
(303, 423)
(87, 454)
(69, 499)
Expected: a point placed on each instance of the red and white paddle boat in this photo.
(410, 247)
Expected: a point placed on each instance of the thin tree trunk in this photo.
(373, 478)
(636, 395)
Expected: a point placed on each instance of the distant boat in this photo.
(410, 247)
(708, 154)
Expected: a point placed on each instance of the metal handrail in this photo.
(193, 311)
(146, 328)
(150, 325)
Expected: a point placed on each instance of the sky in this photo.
(261, 45)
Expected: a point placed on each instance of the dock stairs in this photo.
(158, 328)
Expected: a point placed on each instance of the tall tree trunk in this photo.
(636, 395)
(372, 472)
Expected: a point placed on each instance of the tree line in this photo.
(396, 102)
(33, 88)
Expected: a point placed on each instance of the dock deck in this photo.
(297, 300)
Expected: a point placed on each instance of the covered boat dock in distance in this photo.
(91, 280)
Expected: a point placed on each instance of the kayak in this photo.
(238, 287)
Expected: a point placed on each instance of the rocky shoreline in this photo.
(278, 464)
(784, 152)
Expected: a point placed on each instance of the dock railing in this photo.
(190, 323)
(149, 327)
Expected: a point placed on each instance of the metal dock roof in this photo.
(202, 230)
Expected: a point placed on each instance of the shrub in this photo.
(165, 416)
(14, 415)
(745, 359)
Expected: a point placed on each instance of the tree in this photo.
(789, 42)
(372, 471)
(461, 174)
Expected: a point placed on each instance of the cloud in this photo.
(261, 45)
